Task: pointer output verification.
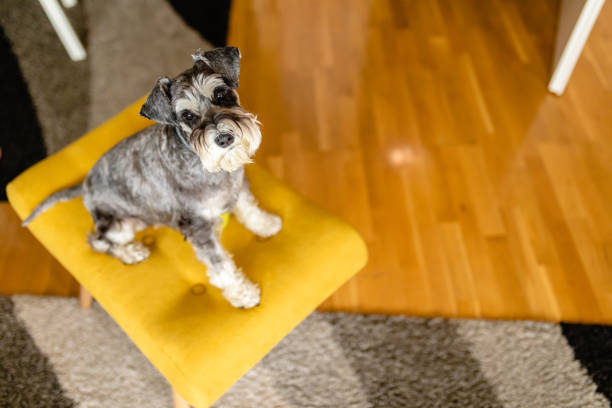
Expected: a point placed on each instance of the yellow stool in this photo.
(183, 325)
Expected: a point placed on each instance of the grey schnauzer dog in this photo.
(184, 172)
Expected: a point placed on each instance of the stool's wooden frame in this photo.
(179, 402)
(86, 299)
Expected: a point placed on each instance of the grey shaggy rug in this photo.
(54, 354)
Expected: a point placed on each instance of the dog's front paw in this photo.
(132, 253)
(271, 224)
(245, 295)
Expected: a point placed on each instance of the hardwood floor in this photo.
(427, 125)
(25, 265)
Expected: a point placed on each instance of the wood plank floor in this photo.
(25, 265)
(427, 125)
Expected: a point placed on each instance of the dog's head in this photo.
(203, 104)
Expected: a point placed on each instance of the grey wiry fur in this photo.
(225, 61)
(153, 177)
(58, 197)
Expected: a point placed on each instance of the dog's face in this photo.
(203, 103)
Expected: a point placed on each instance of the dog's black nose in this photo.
(224, 139)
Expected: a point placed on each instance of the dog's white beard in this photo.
(247, 138)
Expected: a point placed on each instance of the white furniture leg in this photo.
(69, 3)
(64, 30)
(576, 19)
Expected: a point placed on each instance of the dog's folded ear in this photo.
(158, 106)
(224, 61)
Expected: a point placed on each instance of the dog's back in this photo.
(150, 176)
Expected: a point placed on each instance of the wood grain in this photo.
(427, 126)
(25, 265)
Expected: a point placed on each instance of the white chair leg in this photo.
(69, 3)
(64, 30)
(576, 19)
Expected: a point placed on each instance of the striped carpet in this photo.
(54, 354)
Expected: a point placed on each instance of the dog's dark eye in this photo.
(219, 93)
(224, 96)
(188, 116)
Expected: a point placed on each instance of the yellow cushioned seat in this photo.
(183, 325)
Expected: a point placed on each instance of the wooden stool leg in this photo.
(179, 402)
(85, 298)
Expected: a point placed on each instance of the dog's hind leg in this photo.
(116, 238)
(255, 219)
(221, 270)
